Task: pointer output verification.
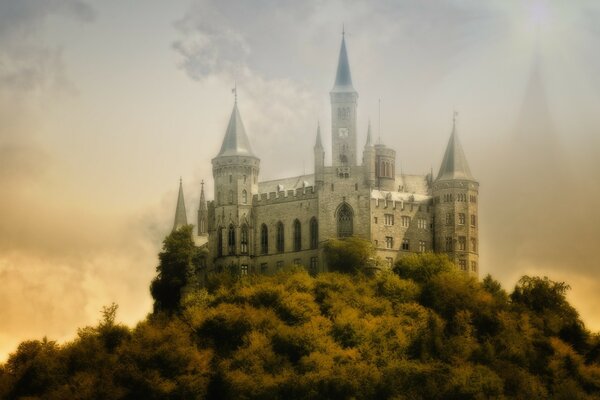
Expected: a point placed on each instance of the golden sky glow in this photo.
(105, 104)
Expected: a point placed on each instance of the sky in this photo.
(104, 105)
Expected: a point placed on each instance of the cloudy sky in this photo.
(105, 104)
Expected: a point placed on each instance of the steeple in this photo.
(236, 141)
(343, 78)
(454, 165)
(180, 215)
(369, 140)
(202, 212)
(318, 143)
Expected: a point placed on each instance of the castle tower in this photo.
(455, 194)
(343, 114)
(180, 214)
(319, 159)
(369, 159)
(235, 173)
(385, 167)
(202, 213)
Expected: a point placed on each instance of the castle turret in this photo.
(385, 167)
(319, 159)
(180, 214)
(202, 213)
(343, 114)
(455, 195)
(235, 172)
(369, 159)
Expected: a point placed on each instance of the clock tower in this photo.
(343, 114)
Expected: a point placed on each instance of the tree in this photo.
(421, 268)
(175, 268)
(349, 255)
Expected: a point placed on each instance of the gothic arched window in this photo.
(244, 196)
(231, 197)
(280, 237)
(244, 239)
(220, 241)
(345, 216)
(297, 236)
(231, 239)
(314, 233)
(264, 239)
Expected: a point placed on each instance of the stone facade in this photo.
(260, 227)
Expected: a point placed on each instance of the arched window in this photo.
(345, 226)
(231, 240)
(314, 233)
(280, 237)
(244, 239)
(264, 239)
(244, 196)
(219, 198)
(231, 197)
(220, 242)
(297, 236)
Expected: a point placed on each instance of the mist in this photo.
(103, 106)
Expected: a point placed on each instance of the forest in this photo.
(422, 331)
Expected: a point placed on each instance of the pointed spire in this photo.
(318, 143)
(369, 140)
(202, 198)
(454, 165)
(343, 78)
(180, 215)
(236, 141)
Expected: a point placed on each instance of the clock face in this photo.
(343, 132)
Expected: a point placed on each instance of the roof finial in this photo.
(379, 123)
(180, 180)
(454, 117)
(202, 183)
(234, 91)
(343, 30)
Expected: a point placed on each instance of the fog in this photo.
(104, 105)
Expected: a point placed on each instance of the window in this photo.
(314, 233)
(244, 239)
(356, 186)
(279, 265)
(264, 268)
(405, 221)
(389, 242)
(449, 219)
(376, 242)
(244, 269)
(280, 237)
(390, 262)
(230, 178)
(345, 221)
(244, 178)
(405, 244)
(297, 236)
(422, 223)
(473, 220)
(374, 220)
(473, 199)
(462, 264)
(220, 242)
(461, 219)
(462, 243)
(474, 245)
(297, 261)
(474, 266)
(332, 187)
(422, 246)
(264, 239)
(244, 196)
(448, 243)
(231, 239)
(389, 219)
(313, 264)
(231, 197)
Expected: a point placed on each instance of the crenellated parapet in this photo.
(284, 196)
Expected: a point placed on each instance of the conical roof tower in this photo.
(180, 214)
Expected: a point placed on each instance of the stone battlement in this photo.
(284, 196)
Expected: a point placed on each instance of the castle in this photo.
(255, 226)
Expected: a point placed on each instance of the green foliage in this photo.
(437, 335)
(421, 268)
(175, 269)
(349, 255)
